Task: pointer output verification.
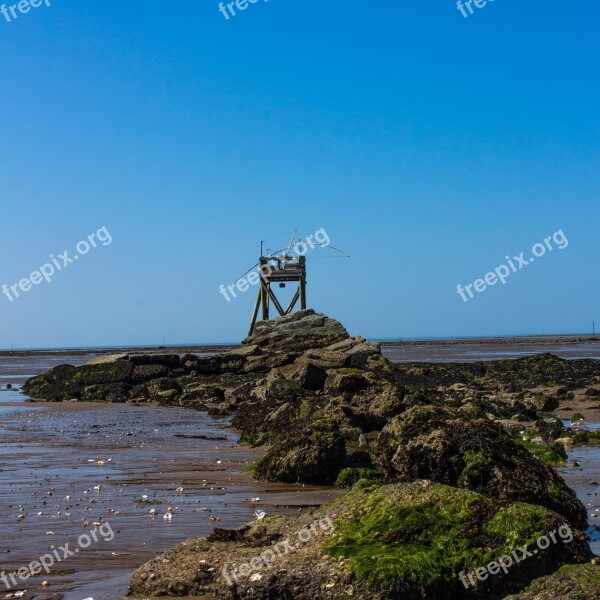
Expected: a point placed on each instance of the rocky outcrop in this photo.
(333, 409)
(513, 376)
(313, 453)
(397, 541)
(297, 332)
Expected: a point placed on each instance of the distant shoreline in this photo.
(208, 348)
(218, 348)
(530, 339)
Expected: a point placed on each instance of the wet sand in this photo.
(472, 350)
(582, 473)
(51, 452)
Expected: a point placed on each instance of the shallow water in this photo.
(16, 370)
(477, 351)
(585, 480)
(51, 452)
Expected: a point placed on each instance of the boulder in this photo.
(441, 444)
(345, 380)
(309, 376)
(168, 360)
(542, 402)
(309, 453)
(65, 381)
(107, 359)
(143, 373)
(164, 390)
(109, 392)
(551, 428)
(60, 383)
(299, 331)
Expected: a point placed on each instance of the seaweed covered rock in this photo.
(65, 382)
(408, 541)
(60, 383)
(454, 448)
(509, 375)
(571, 582)
(313, 453)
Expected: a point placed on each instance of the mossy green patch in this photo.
(308, 409)
(587, 575)
(349, 476)
(570, 582)
(476, 463)
(556, 490)
(517, 522)
(420, 533)
(586, 437)
(250, 468)
(552, 455)
(349, 371)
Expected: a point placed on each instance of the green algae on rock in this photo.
(571, 582)
(396, 541)
(313, 454)
(440, 444)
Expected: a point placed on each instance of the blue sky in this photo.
(428, 146)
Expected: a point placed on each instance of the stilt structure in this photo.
(287, 265)
(280, 270)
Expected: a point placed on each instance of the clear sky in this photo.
(428, 145)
